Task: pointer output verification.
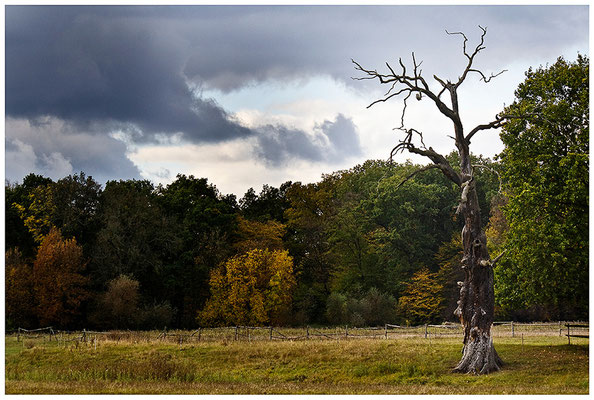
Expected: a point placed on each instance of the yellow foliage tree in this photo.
(259, 235)
(60, 287)
(421, 301)
(37, 216)
(253, 288)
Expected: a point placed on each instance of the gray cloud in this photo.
(54, 149)
(134, 64)
(81, 65)
(140, 70)
(331, 141)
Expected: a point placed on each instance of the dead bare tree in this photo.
(476, 304)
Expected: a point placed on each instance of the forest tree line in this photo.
(358, 247)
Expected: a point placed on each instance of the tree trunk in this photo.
(477, 297)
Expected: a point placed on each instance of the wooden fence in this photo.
(251, 333)
(581, 328)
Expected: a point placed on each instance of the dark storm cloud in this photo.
(143, 67)
(86, 67)
(331, 141)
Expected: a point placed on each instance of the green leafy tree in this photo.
(76, 200)
(118, 307)
(546, 160)
(19, 295)
(205, 225)
(271, 203)
(450, 273)
(378, 308)
(412, 221)
(136, 238)
(311, 209)
(69, 204)
(336, 308)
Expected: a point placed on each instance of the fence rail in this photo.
(581, 333)
(259, 333)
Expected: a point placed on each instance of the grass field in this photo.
(534, 365)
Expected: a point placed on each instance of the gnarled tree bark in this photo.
(477, 298)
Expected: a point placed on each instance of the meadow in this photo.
(534, 364)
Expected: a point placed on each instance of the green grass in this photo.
(542, 365)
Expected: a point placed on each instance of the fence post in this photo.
(512, 326)
(559, 328)
(249, 334)
(346, 331)
(84, 337)
(271, 333)
(236, 333)
(199, 333)
(425, 331)
(19, 335)
(386, 331)
(568, 336)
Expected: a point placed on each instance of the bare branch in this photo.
(497, 123)
(428, 167)
(497, 258)
(465, 40)
(403, 84)
(382, 100)
(409, 83)
(500, 120)
(391, 70)
(407, 140)
(443, 84)
(480, 46)
(437, 159)
(484, 78)
(404, 109)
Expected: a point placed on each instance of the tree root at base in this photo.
(479, 357)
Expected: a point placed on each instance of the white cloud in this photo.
(55, 165)
(20, 159)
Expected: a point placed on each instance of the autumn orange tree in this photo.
(421, 301)
(253, 288)
(58, 283)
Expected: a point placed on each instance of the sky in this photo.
(252, 95)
